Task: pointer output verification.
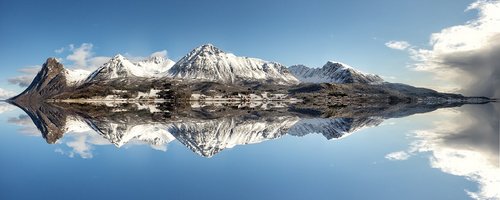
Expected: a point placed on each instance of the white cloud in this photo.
(5, 94)
(83, 57)
(80, 55)
(22, 81)
(30, 69)
(162, 54)
(60, 50)
(399, 155)
(467, 55)
(28, 74)
(398, 45)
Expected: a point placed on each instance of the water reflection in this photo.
(205, 129)
(464, 143)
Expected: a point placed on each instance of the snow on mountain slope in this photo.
(209, 63)
(117, 67)
(120, 134)
(208, 137)
(332, 128)
(121, 67)
(156, 66)
(76, 124)
(333, 72)
(76, 76)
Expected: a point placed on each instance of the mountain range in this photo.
(333, 72)
(206, 63)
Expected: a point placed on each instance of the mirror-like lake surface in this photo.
(448, 153)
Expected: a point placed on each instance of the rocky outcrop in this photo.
(50, 81)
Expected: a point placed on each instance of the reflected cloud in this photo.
(5, 107)
(26, 124)
(464, 143)
(398, 155)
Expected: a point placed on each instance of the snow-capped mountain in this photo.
(333, 72)
(75, 77)
(209, 137)
(205, 63)
(51, 80)
(208, 63)
(155, 66)
(332, 128)
(121, 67)
(119, 134)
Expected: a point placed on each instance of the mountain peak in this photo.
(208, 63)
(118, 57)
(209, 48)
(156, 59)
(337, 64)
(333, 72)
(52, 64)
(49, 81)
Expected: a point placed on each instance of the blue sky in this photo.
(290, 32)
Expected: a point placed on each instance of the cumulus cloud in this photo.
(162, 54)
(398, 155)
(466, 55)
(30, 70)
(23, 81)
(82, 57)
(398, 45)
(5, 94)
(28, 73)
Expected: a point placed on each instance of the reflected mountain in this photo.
(209, 128)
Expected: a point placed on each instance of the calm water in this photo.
(450, 153)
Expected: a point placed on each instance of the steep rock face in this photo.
(333, 72)
(48, 119)
(50, 81)
(208, 63)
